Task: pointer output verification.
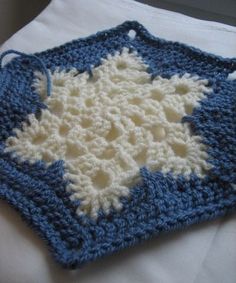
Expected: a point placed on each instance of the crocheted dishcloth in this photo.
(109, 140)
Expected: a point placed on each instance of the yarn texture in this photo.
(108, 140)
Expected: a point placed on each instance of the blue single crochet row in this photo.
(160, 203)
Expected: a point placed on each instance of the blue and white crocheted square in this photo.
(138, 136)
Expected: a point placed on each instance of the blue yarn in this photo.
(35, 58)
(159, 203)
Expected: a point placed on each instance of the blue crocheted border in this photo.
(160, 203)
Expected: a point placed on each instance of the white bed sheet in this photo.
(203, 253)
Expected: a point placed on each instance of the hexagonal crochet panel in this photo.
(107, 127)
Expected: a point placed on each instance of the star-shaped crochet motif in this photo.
(107, 126)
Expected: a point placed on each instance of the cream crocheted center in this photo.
(107, 126)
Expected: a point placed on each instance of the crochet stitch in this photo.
(108, 140)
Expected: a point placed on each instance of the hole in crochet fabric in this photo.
(188, 109)
(71, 101)
(39, 138)
(137, 120)
(121, 65)
(123, 164)
(132, 34)
(75, 92)
(59, 82)
(171, 115)
(76, 247)
(89, 102)
(150, 111)
(132, 139)
(86, 123)
(46, 157)
(73, 111)
(72, 151)
(92, 79)
(11, 141)
(141, 158)
(181, 89)
(101, 180)
(156, 94)
(135, 101)
(109, 153)
(114, 111)
(179, 149)
(113, 133)
(89, 137)
(57, 108)
(158, 133)
(64, 130)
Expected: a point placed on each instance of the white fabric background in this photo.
(204, 253)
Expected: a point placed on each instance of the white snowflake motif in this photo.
(107, 126)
